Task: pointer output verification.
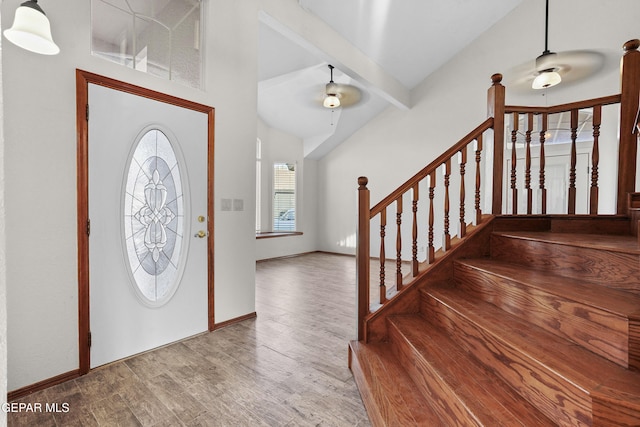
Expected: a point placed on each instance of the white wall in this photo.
(452, 101)
(3, 259)
(278, 146)
(40, 186)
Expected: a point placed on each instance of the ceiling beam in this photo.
(316, 36)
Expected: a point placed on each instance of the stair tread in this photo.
(584, 369)
(398, 400)
(608, 299)
(609, 242)
(481, 391)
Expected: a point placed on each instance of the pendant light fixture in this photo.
(331, 99)
(548, 74)
(31, 30)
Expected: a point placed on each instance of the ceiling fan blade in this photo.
(572, 65)
(581, 60)
(348, 94)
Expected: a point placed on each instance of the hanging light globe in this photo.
(546, 78)
(31, 30)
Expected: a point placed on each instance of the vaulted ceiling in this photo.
(384, 47)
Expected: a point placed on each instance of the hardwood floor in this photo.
(288, 367)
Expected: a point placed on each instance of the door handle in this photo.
(201, 234)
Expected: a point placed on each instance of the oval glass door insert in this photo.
(154, 218)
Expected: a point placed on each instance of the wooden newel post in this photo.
(495, 109)
(629, 106)
(362, 255)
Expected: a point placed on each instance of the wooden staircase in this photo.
(518, 317)
(545, 330)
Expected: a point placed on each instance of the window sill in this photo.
(270, 234)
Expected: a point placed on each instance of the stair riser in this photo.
(612, 269)
(597, 330)
(550, 393)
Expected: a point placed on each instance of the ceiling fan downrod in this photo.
(546, 30)
(548, 74)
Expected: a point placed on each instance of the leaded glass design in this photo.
(154, 219)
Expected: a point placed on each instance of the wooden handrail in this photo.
(561, 108)
(408, 185)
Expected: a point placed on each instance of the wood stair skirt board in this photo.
(545, 331)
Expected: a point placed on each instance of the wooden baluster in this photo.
(595, 160)
(363, 255)
(463, 164)
(572, 169)
(514, 160)
(399, 243)
(543, 124)
(383, 256)
(527, 173)
(431, 183)
(446, 244)
(478, 172)
(414, 265)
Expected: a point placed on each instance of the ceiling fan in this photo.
(340, 94)
(553, 68)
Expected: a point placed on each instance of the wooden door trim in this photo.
(83, 78)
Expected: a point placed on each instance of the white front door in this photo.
(148, 264)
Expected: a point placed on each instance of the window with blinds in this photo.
(284, 197)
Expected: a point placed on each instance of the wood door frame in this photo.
(83, 79)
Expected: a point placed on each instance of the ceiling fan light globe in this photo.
(546, 79)
(31, 31)
(331, 101)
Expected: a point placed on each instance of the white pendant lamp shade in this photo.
(546, 79)
(31, 30)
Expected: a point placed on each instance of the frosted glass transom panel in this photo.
(153, 217)
(159, 37)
